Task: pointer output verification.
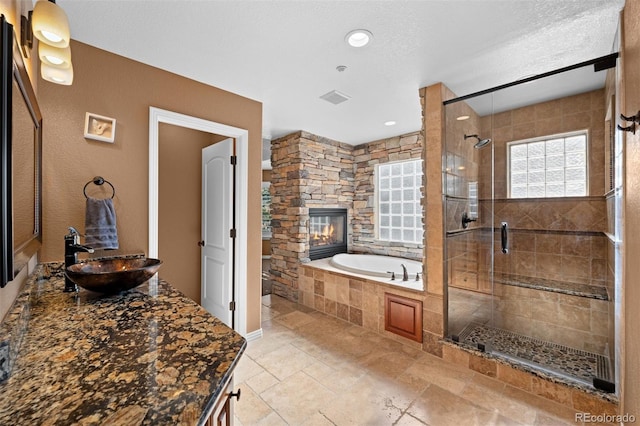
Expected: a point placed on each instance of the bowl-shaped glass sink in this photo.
(114, 275)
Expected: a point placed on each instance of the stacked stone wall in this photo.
(366, 157)
(307, 171)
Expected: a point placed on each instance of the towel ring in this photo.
(98, 180)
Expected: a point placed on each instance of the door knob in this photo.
(201, 243)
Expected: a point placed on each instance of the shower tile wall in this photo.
(558, 239)
(573, 113)
(460, 169)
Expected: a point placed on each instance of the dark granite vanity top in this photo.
(147, 356)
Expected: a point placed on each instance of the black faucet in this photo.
(405, 274)
(466, 219)
(72, 247)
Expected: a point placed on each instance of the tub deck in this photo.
(326, 265)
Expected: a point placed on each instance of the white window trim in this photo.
(545, 138)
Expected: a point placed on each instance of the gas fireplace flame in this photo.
(327, 231)
(325, 235)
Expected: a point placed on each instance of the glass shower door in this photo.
(528, 271)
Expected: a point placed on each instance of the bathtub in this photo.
(376, 266)
(372, 268)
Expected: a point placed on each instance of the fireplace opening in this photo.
(327, 232)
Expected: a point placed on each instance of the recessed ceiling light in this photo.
(390, 123)
(462, 118)
(358, 38)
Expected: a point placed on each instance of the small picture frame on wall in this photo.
(99, 128)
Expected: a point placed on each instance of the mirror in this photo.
(20, 157)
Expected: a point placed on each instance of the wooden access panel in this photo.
(403, 316)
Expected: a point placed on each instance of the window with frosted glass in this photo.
(551, 167)
(399, 213)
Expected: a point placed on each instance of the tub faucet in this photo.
(405, 274)
(72, 247)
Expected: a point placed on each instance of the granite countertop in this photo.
(147, 356)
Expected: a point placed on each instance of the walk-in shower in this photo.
(530, 245)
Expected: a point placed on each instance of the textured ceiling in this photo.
(285, 53)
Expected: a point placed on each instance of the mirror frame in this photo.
(14, 256)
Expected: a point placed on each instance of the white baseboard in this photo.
(254, 335)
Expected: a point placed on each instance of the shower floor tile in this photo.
(552, 357)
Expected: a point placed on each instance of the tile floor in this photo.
(311, 369)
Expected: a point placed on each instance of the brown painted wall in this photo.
(631, 296)
(123, 89)
(180, 206)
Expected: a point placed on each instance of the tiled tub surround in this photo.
(149, 353)
(355, 298)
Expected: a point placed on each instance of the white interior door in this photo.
(217, 211)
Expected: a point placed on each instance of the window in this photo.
(266, 210)
(555, 166)
(399, 213)
(473, 200)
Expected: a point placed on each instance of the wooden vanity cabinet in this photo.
(222, 414)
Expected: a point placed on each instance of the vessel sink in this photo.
(110, 276)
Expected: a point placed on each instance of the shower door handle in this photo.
(505, 237)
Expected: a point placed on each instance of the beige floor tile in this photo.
(438, 372)
(261, 381)
(408, 420)
(277, 339)
(370, 401)
(316, 351)
(317, 419)
(294, 319)
(439, 407)
(272, 419)
(336, 379)
(285, 361)
(246, 369)
(494, 400)
(297, 397)
(251, 409)
(546, 409)
(312, 369)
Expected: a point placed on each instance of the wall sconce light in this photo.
(57, 75)
(49, 24)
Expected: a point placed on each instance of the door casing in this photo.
(157, 116)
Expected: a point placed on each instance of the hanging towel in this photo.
(100, 224)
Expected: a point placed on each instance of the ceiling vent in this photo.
(335, 97)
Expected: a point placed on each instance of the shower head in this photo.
(480, 143)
